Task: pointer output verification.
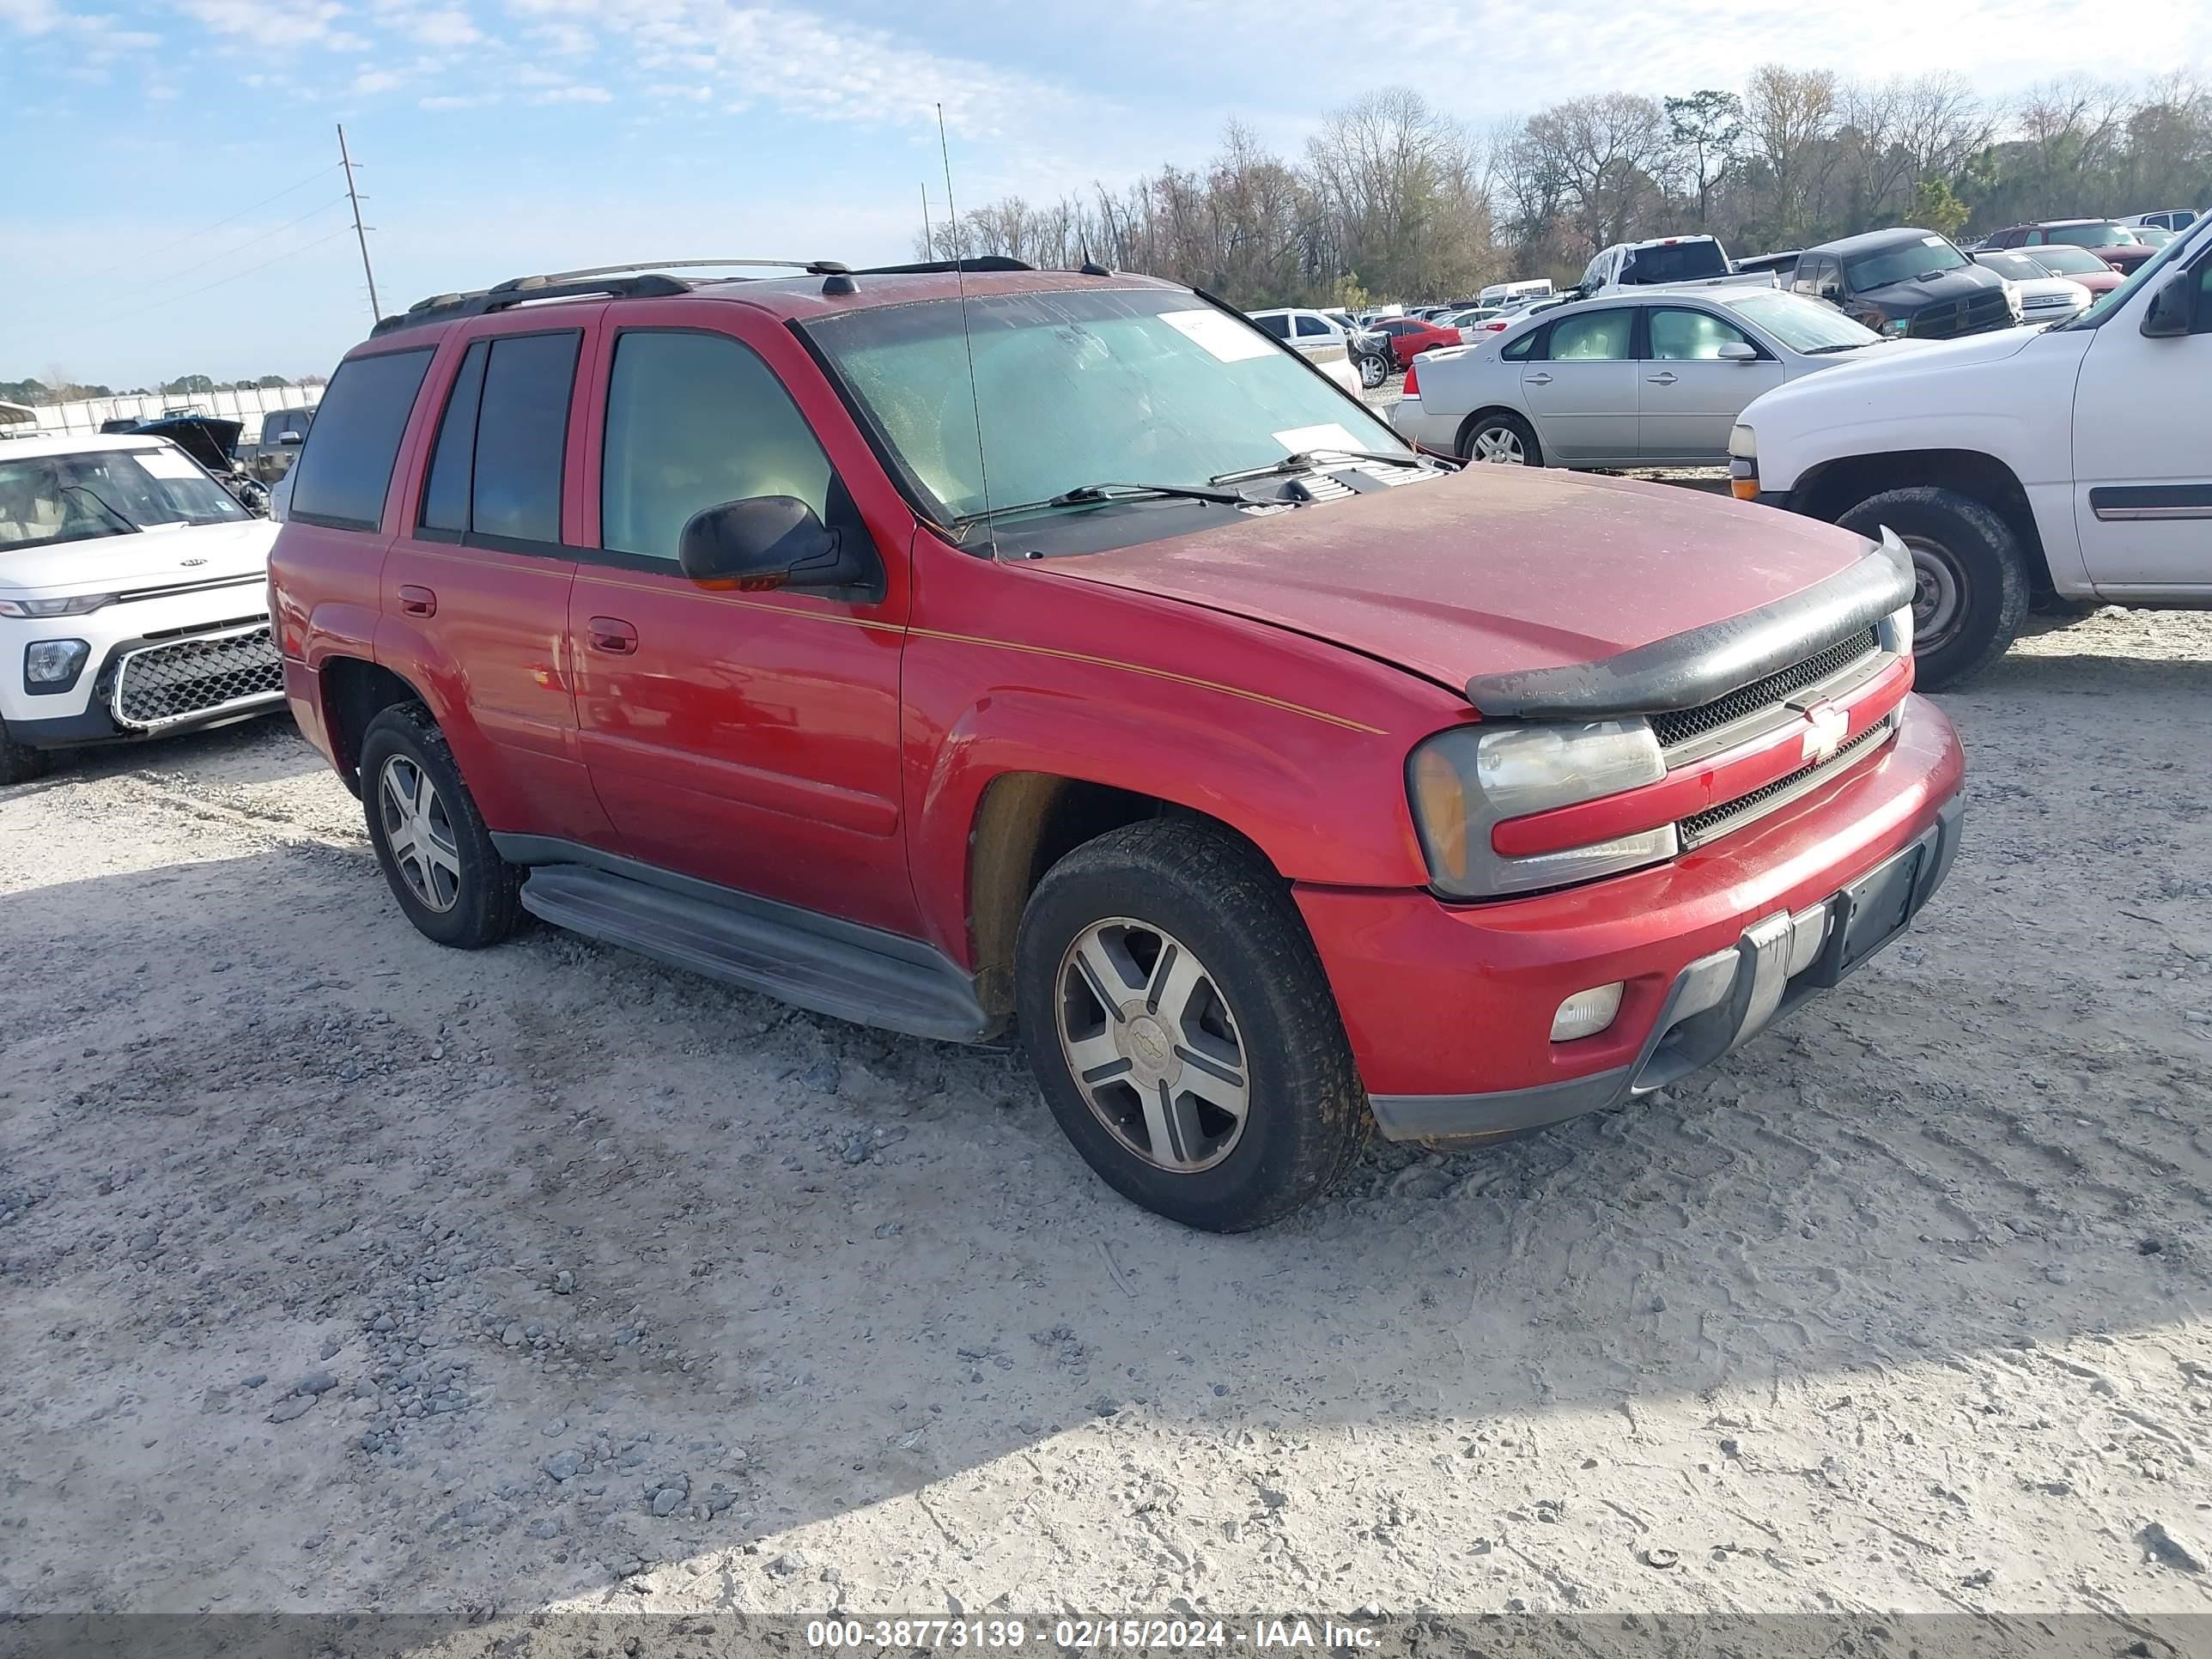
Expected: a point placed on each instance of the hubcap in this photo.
(1938, 592)
(1500, 446)
(1153, 1045)
(419, 833)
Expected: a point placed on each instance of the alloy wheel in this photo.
(1152, 1046)
(420, 833)
(1499, 446)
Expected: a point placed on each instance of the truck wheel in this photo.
(1971, 580)
(428, 835)
(19, 762)
(1500, 437)
(1180, 1025)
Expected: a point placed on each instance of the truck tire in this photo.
(429, 838)
(1972, 588)
(19, 762)
(1180, 1026)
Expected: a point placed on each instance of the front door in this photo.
(1581, 387)
(2142, 447)
(1690, 395)
(747, 739)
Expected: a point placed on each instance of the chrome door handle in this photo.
(1661, 379)
(1536, 379)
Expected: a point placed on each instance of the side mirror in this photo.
(1737, 351)
(290, 439)
(767, 542)
(2173, 311)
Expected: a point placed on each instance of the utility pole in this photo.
(360, 231)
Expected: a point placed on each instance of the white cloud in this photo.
(805, 63)
(307, 23)
(574, 96)
(31, 17)
(451, 100)
(369, 82)
(449, 28)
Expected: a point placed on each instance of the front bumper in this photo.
(1450, 1007)
(141, 688)
(1719, 1002)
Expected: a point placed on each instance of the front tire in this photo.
(1179, 1023)
(19, 762)
(431, 841)
(1498, 437)
(1971, 578)
(1373, 371)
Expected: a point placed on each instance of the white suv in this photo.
(2071, 462)
(1354, 358)
(133, 597)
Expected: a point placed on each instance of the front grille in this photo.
(1735, 814)
(161, 684)
(1684, 726)
(1971, 315)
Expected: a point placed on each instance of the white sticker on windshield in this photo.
(1932, 241)
(167, 464)
(1225, 337)
(1299, 439)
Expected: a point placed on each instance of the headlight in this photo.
(53, 663)
(1893, 327)
(1464, 782)
(82, 606)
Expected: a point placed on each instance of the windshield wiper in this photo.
(1095, 494)
(1848, 345)
(87, 490)
(1306, 460)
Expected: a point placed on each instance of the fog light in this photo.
(53, 663)
(1587, 1013)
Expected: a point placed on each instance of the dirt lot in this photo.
(337, 1271)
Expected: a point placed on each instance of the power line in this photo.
(195, 235)
(235, 275)
(182, 270)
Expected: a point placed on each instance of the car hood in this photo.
(1494, 571)
(177, 556)
(1916, 291)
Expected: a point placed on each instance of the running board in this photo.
(765, 948)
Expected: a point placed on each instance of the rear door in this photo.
(2142, 449)
(747, 739)
(476, 586)
(1690, 396)
(1580, 387)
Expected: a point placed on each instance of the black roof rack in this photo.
(943, 267)
(642, 280)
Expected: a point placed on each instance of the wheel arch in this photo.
(1465, 435)
(1834, 488)
(353, 692)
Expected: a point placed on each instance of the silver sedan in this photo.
(1629, 380)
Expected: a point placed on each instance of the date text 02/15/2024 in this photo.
(1086, 1634)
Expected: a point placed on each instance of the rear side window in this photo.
(346, 466)
(496, 473)
(1312, 326)
(1675, 262)
(1278, 326)
(1519, 350)
(694, 421)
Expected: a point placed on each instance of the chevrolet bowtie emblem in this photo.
(1825, 729)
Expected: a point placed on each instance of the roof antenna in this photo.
(968, 337)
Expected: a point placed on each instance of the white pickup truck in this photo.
(1692, 262)
(2069, 464)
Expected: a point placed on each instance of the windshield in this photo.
(2094, 235)
(2151, 235)
(1674, 262)
(1803, 325)
(1923, 256)
(1112, 385)
(2070, 262)
(46, 499)
(2150, 271)
(2017, 266)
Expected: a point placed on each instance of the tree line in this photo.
(1394, 199)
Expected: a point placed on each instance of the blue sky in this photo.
(498, 136)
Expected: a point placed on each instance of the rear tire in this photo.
(1972, 589)
(1373, 371)
(1499, 438)
(1162, 969)
(431, 841)
(19, 762)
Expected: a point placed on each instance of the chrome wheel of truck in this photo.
(420, 833)
(1153, 1045)
(436, 854)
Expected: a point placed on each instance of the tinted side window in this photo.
(445, 498)
(1312, 326)
(1594, 336)
(346, 466)
(522, 430)
(696, 420)
(1278, 326)
(1519, 349)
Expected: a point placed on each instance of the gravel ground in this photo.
(340, 1272)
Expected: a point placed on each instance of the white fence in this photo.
(87, 414)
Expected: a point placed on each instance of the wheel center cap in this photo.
(1150, 1050)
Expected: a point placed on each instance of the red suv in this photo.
(955, 650)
